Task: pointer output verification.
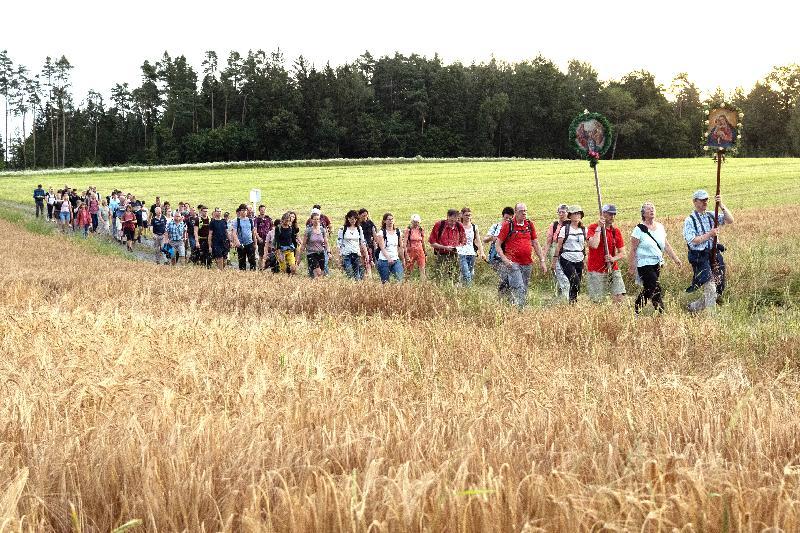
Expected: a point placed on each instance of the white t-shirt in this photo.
(350, 241)
(648, 252)
(468, 248)
(573, 245)
(392, 243)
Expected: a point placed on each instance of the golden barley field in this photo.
(162, 399)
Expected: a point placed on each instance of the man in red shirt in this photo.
(445, 236)
(516, 241)
(599, 283)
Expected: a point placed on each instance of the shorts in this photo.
(218, 250)
(63, 216)
(288, 261)
(130, 234)
(415, 256)
(180, 248)
(315, 260)
(597, 285)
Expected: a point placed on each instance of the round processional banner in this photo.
(591, 135)
(723, 127)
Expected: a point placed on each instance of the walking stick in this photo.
(720, 157)
(609, 265)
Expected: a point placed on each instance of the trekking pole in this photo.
(602, 228)
(720, 157)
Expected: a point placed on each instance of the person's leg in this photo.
(49, 211)
(596, 286)
(463, 267)
(347, 265)
(251, 255)
(397, 270)
(516, 285)
(240, 254)
(570, 271)
(525, 273)
(383, 270)
(95, 221)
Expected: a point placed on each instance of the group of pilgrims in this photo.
(207, 237)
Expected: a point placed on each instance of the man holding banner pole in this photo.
(700, 231)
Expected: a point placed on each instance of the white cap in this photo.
(315, 211)
(416, 218)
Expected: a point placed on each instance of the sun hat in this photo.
(700, 194)
(575, 209)
(416, 218)
(611, 209)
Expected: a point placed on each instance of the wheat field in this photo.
(146, 398)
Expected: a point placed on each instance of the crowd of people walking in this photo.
(184, 234)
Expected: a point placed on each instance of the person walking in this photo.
(699, 233)
(561, 281)
(414, 239)
(50, 200)
(494, 260)
(263, 227)
(570, 250)
(244, 239)
(159, 227)
(445, 238)
(104, 214)
(39, 196)
(314, 244)
(201, 231)
(646, 257)
(176, 231)
(391, 247)
(94, 210)
(286, 245)
(128, 221)
(369, 229)
(598, 283)
(352, 246)
(514, 244)
(218, 239)
(64, 213)
(471, 249)
(83, 219)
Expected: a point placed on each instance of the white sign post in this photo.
(255, 195)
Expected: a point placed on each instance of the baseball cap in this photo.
(611, 209)
(700, 194)
(416, 218)
(562, 207)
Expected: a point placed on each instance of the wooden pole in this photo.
(609, 266)
(714, 266)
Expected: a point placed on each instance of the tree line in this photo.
(255, 107)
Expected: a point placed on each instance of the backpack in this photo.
(440, 230)
(567, 235)
(396, 230)
(511, 231)
(309, 229)
(408, 235)
(238, 228)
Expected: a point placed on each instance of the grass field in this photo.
(431, 188)
(193, 400)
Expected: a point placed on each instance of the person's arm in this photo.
(671, 253)
(381, 244)
(620, 251)
(632, 256)
(560, 244)
(594, 240)
(301, 246)
(498, 247)
(196, 232)
(540, 255)
(401, 249)
(727, 215)
(694, 237)
(476, 240)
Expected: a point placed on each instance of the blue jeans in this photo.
(352, 266)
(385, 269)
(517, 277)
(467, 265)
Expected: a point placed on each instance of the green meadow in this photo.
(431, 188)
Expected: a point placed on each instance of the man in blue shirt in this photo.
(243, 239)
(38, 198)
(699, 233)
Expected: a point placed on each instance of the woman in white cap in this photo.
(570, 250)
(414, 239)
(646, 255)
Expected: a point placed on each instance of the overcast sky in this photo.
(728, 47)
